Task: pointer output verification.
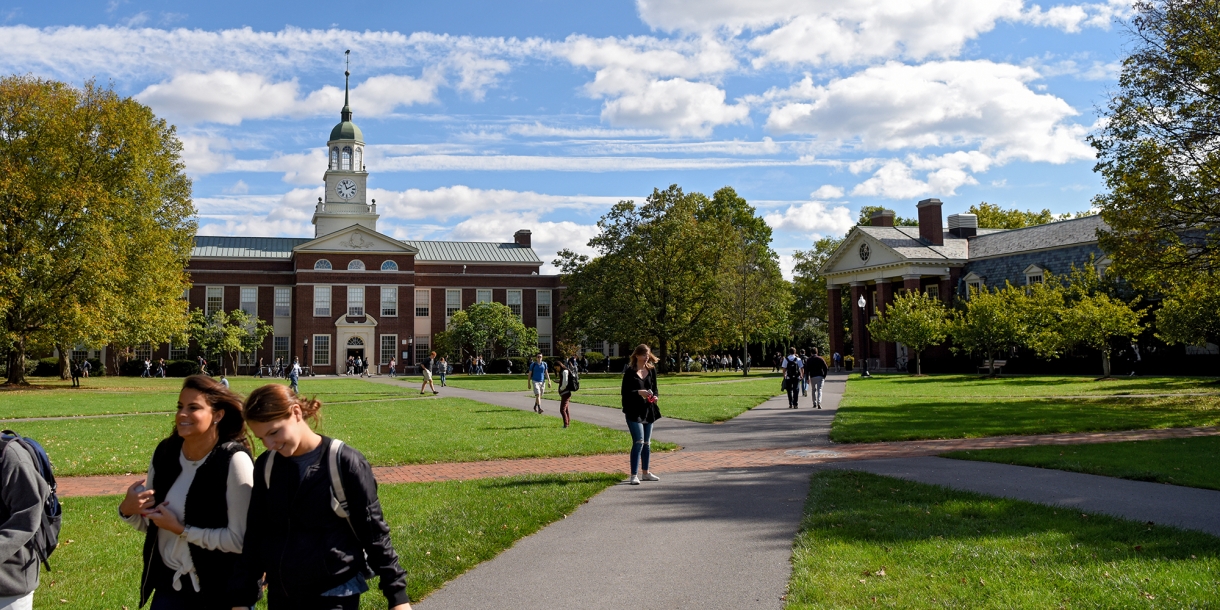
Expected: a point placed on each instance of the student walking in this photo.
(315, 531)
(193, 504)
(74, 368)
(816, 370)
(540, 378)
(393, 367)
(793, 368)
(147, 369)
(443, 367)
(425, 369)
(838, 362)
(639, 395)
(23, 493)
(260, 368)
(294, 375)
(85, 367)
(566, 379)
(804, 376)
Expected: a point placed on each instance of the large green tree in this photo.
(991, 216)
(1158, 153)
(96, 220)
(810, 313)
(228, 333)
(915, 320)
(490, 326)
(1096, 320)
(989, 323)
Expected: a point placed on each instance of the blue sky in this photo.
(482, 118)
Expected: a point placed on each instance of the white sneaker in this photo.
(650, 477)
(634, 480)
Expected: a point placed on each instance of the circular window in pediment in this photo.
(865, 252)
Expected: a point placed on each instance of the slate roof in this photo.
(1050, 235)
(210, 246)
(905, 241)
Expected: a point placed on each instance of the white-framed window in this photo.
(334, 158)
(346, 163)
(514, 302)
(321, 301)
(144, 352)
(79, 353)
(356, 265)
(974, 286)
(321, 350)
(389, 345)
(544, 344)
(422, 299)
(974, 282)
(279, 349)
(932, 291)
(482, 296)
(215, 300)
(249, 301)
(283, 301)
(423, 346)
(322, 265)
(544, 304)
(1033, 275)
(355, 300)
(453, 302)
(389, 266)
(389, 301)
(177, 351)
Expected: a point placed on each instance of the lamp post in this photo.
(305, 351)
(868, 349)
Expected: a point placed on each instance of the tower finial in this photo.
(346, 114)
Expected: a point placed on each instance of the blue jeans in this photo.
(641, 443)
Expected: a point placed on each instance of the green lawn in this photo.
(868, 541)
(588, 381)
(700, 402)
(892, 407)
(440, 530)
(387, 432)
(1180, 461)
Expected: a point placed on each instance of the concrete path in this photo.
(1187, 507)
(708, 540)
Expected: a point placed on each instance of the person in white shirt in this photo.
(192, 505)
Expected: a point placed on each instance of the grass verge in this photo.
(868, 541)
(1180, 461)
(440, 530)
(700, 402)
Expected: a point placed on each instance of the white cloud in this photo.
(678, 106)
(813, 218)
(547, 237)
(558, 163)
(827, 191)
(942, 175)
(460, 200)
(936, 104)
(538, 130)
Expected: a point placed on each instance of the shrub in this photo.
(131, 368)
(617, 364)
(44, 367)
(181, 368)
(595, 357)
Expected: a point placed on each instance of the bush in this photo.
(181, 368)
(44, 367)
(131, 368)
(617, 364)
(501, 365)
(595, 357)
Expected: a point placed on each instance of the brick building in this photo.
(876, 262)
(353, 291)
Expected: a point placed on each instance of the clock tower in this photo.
(345, 202)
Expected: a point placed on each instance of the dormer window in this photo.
(974, 283)
(347, 158)
(1033, 275)
(356, 265)
(389, 266)
(322, 265)
(334, 158)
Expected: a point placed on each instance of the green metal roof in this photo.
(211, 246)
(346, 130)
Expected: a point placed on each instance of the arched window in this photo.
(359, 159)
(356, 265)
(347, 158)
(323, 264)
(334, 158)
(355, 342)
(389, 266)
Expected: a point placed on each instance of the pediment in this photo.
(356, 239)
(848, 257)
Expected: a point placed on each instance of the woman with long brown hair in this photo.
(316, 530)
(192, 505)
(639, 394)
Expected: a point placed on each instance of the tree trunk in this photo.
(1105, 363)
(665, 354)
(990, 365)
(16, 364)
(918, 369)
(65, 367)
(745, 353)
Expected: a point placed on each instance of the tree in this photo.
(809, 290)
(228, 333)
(989, 322)
(96, 220)
(1190, 314)
(490, 326)
(915, 320)
(991, 216)
(1158, 150)
(1095, 320)
(866, 217)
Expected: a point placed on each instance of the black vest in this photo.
(206, 507)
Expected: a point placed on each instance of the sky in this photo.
(485, 117)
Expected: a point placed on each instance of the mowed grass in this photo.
(440, 530)
(892, 407)
(387, 432)
(699, 402)
(119, 395)
(868, 541)
(588, 381)
(1192, 462)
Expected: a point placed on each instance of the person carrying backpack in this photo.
(315, 528)
(793, 368)
(28, 529)
(569, 382)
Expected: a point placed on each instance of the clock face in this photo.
(346, 189)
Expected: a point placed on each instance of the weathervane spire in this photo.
(346, 114)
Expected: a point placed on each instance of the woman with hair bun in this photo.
(315, 524)
(193, 509)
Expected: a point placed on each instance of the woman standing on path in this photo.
(565, 391)
(639, 406)
(425, 369)
(193, 510)
(316, 529)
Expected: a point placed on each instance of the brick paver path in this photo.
(692, 461)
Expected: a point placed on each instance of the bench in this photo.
(999, 366)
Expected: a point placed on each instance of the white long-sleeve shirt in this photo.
(174, 549)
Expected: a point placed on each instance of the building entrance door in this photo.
(356, 354)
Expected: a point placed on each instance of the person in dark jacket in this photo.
(193, 509)
(816, 370)
(22, 494)
(639, 395)
(425, 368)
(313, 558)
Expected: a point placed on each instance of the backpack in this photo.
(792, 369)
(573, 382)
(338, 497)
(47, 537)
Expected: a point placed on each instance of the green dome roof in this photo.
(346, 130)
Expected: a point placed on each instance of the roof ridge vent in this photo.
(963, 225)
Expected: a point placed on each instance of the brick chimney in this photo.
(522, 238)
(931, 225)
(882, 218)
